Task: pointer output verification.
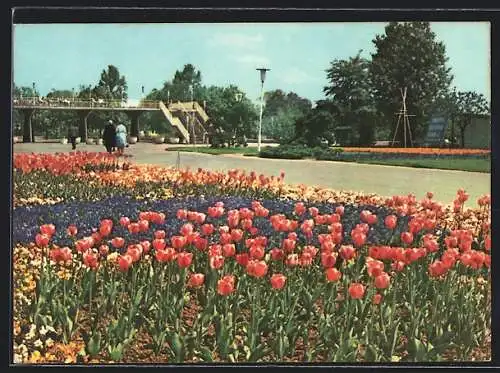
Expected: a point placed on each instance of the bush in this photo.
(299, 152)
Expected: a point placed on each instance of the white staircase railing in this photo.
(174, 121)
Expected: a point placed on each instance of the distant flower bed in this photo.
(420, 151)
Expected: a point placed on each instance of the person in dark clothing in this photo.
(72, 135)
(109, 136)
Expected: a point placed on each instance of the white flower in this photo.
(38, 343)
(49, 342)
(18, 359)
(43, 330)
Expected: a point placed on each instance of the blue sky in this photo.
(63, 56)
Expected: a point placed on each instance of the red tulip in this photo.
(72, 230)
(407, 238)
(305, 259)
(48, 229)
(65, 254)
(184, 259)
(339, 210)
(182, 214)
(246, 224)
(146, 246)
(382, 281)
(374, 267)
(242, 259)
(159, 244)
(124, 221)
(391, 221)
(207, 229)
(377, 298)
(196, 280)
(292, 260)
(333, 274)
(313, 211)
(356, 291)
(200, 218)
(186, 229)
(167, 255)
(135, 252)
(143, 225)
(124, 262)
(42, 240)
(299, 208)
(436, 269)
(278, 281)
(288, 245)
(328, 259)
(225, 287)
(134, 228)
(178, 242)
(236, 235)
(105, 230)
(256, 252)
(277, 254)
(487, 243)
(225, 238)
(358, 238)
(398, 266)
(229, 249)
(200, 243)
(347, 252)
(257, 268)
(216, 261)
(90, 259)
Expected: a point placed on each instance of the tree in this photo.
(314, 127)
(464, 106)
(231, 120)
(112, 85)
(350, 96)
(280, 113)
(408, 55)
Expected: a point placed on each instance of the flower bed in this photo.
(252, 270)
(420, 151)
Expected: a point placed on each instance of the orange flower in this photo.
(278, 281)
(356, 290)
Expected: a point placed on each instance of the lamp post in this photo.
(34, 92)
(238, 97)
(191, 114)
(263, 71)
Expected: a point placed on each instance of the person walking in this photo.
(121, 138)
(72, 135)
(109, 136)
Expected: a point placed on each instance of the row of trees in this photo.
(365, 94)
(362, 95)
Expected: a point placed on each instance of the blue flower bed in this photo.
(87, 215)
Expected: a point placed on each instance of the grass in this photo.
(455, 163)
(217, 151)
(462, 164)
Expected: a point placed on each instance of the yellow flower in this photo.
(36, 356)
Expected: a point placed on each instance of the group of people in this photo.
(114, 137)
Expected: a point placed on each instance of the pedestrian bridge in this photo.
(189, 118)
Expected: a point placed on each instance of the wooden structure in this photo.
(180, 115)
(403, 114)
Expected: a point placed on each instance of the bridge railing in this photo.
(80, 102)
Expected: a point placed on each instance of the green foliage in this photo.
(280, 113)
(112, 85)
(314, 128)
(299, 152)
(408, 55)
(350, 97)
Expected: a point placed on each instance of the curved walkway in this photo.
(367, 178)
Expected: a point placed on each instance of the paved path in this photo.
(383, 180)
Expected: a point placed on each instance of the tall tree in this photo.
(408, 55)
(112, 85)
(464, 107)
(280, 113)
(350, 96)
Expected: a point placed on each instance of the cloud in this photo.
(252, 60)
(236, 40)
(295, 75)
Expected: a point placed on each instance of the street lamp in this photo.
(263, 71)
(34, 92)
(191, 117)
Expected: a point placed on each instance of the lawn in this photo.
(462, 164)
(217, 151)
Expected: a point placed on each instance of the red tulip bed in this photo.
(194, 266)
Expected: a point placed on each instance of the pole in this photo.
(260, 117)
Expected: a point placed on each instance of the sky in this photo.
(64, 56)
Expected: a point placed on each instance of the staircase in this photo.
(174, 121)
(183, 110)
